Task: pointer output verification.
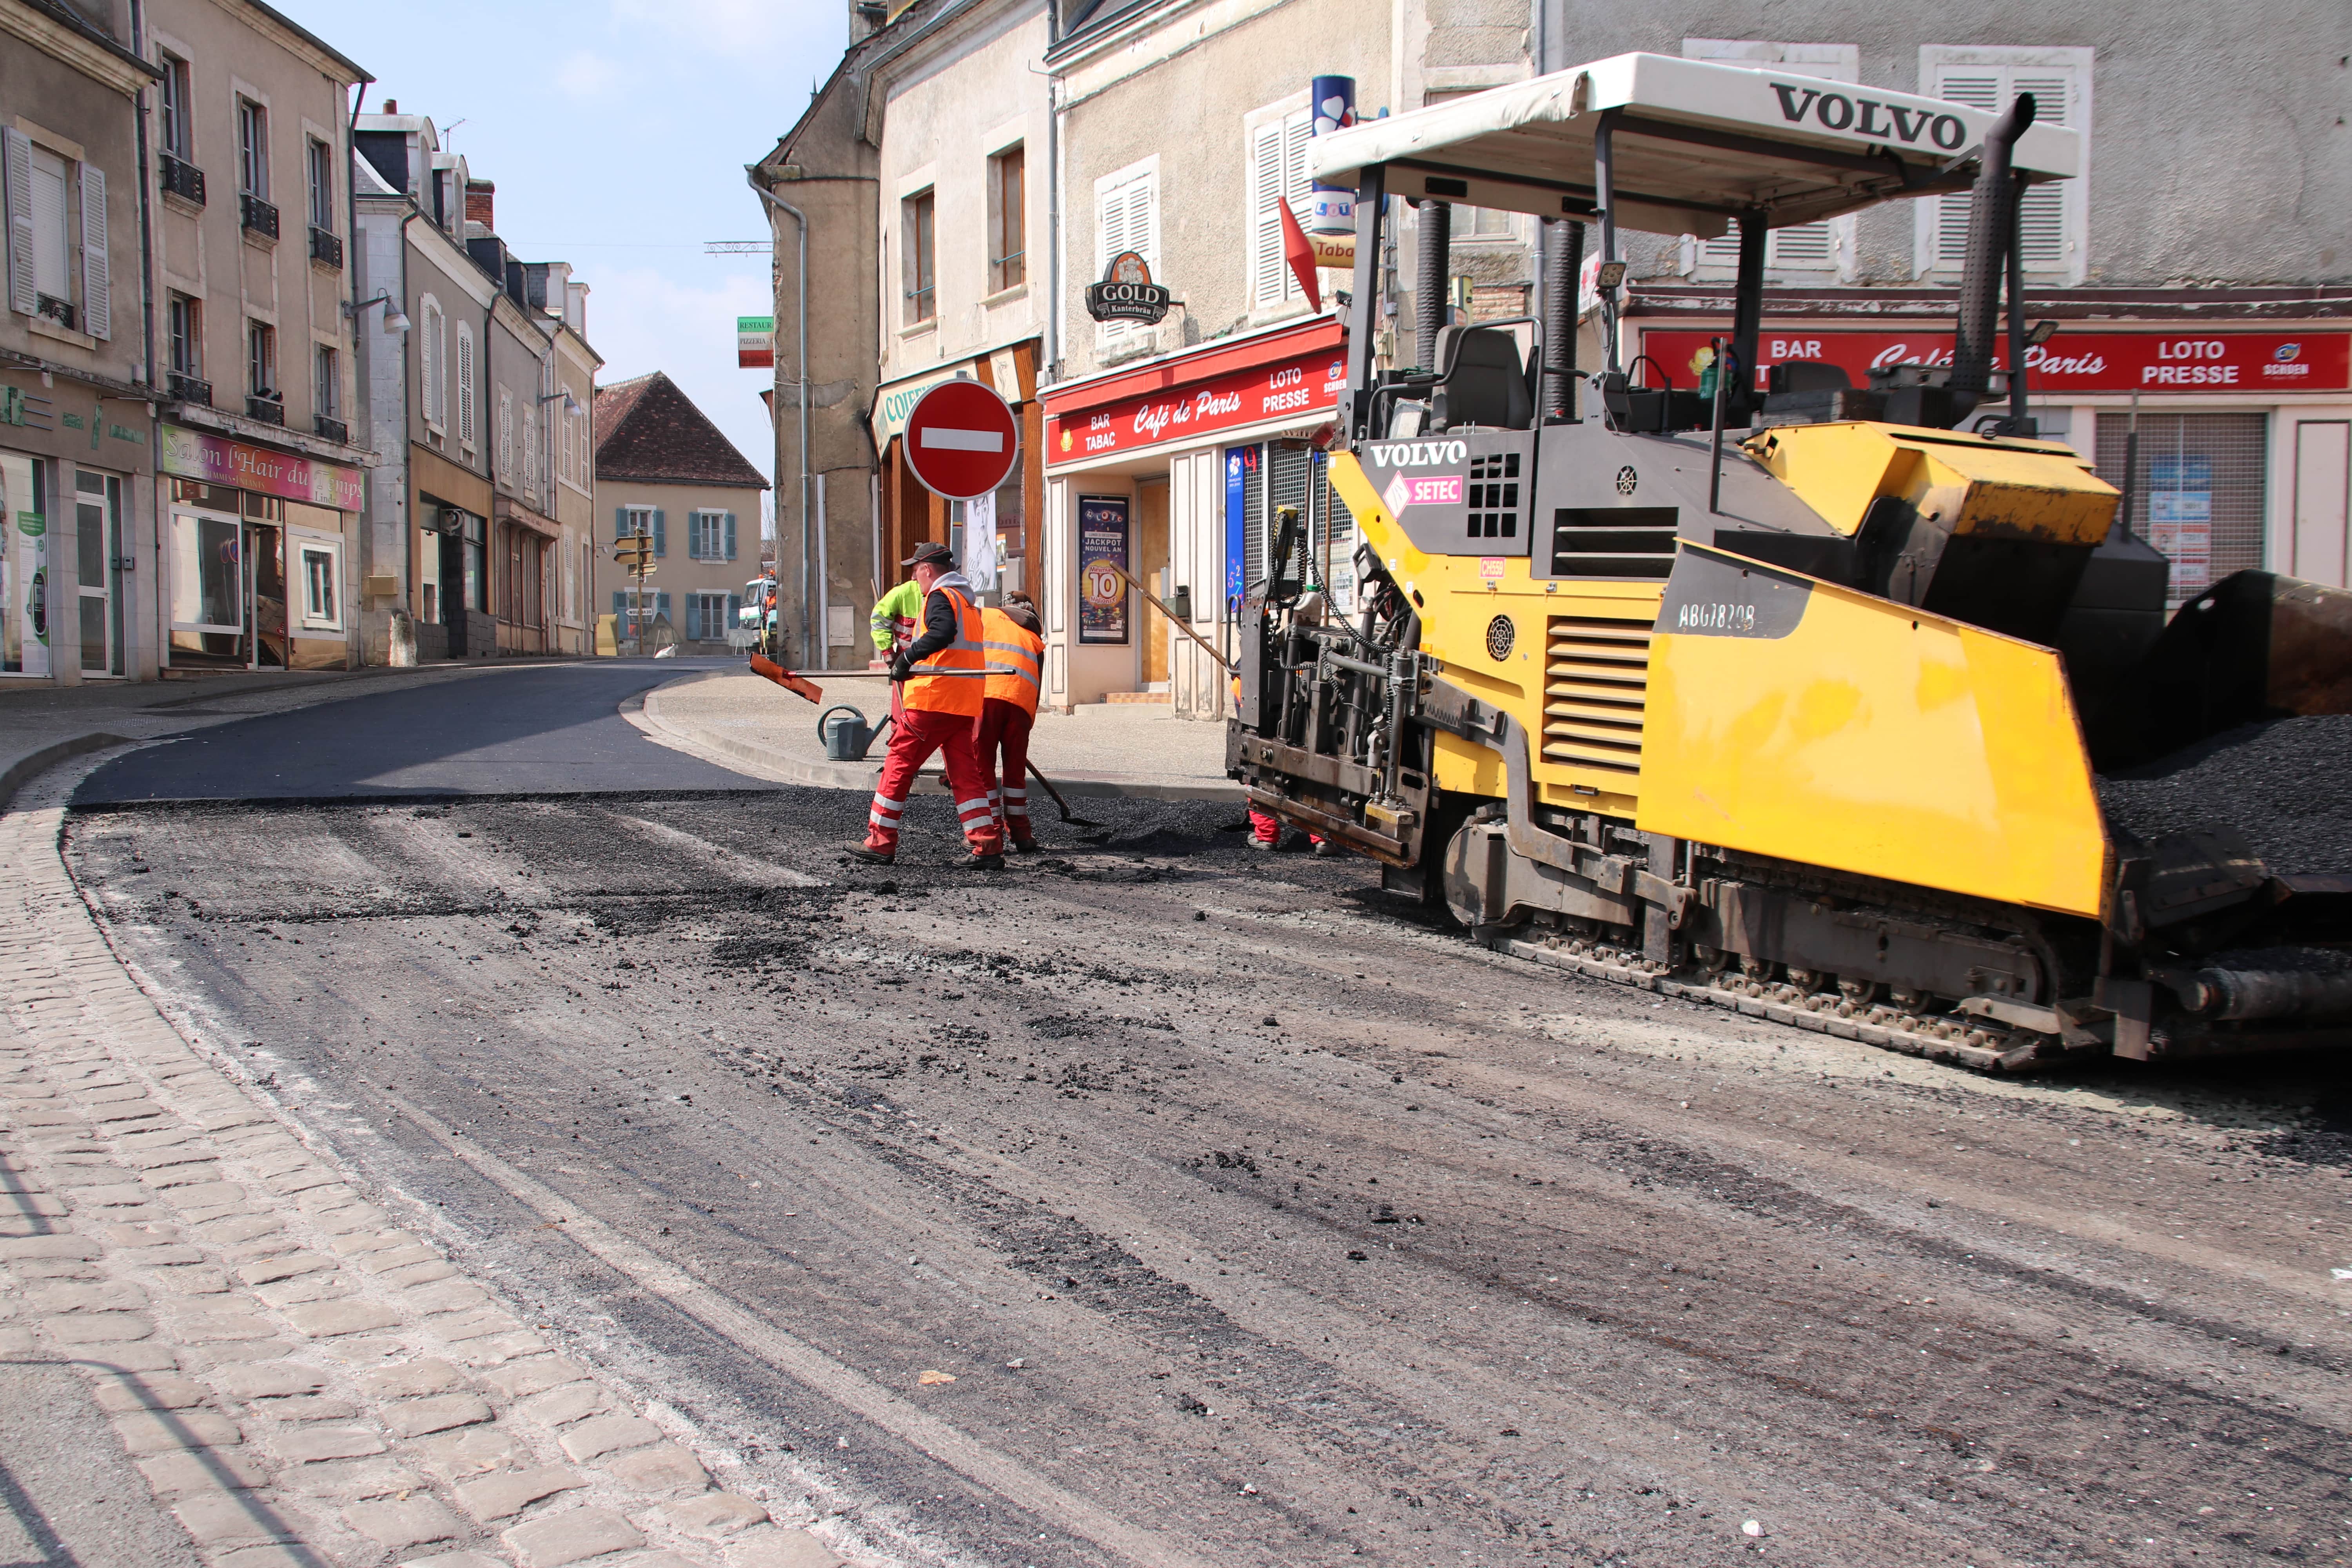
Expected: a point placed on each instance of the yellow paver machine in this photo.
(1855, 707)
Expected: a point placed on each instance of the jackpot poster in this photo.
(1102, 556)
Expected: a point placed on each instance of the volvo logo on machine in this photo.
(1418, 454)
(1868, 117)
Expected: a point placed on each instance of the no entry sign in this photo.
(961, 440)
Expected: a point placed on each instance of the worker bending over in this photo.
(1016, 658)
(942, 676)
(892, 626)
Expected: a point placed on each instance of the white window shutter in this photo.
(2041, 212)
(465, 387)
(1978, 87)
(96, 276)
(1265, 225)
(21, 293)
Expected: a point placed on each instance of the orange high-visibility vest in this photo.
(1016, 661)
(951, 681)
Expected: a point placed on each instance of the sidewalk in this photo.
(301, 1382)
(41, 726)
(752, 725)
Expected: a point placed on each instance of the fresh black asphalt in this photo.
(541, 729)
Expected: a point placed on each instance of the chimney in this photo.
(392, 105)
(479, 196)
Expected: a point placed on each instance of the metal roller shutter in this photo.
(2201, 497)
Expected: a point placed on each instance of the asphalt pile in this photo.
(2285, 784)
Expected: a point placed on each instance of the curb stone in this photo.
(209, 1275)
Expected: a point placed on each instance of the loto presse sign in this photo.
(2196, 361)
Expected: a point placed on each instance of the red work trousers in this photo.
(1267, 829)
(918, 732)
(1002, 731)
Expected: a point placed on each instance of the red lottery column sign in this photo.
(961, 440)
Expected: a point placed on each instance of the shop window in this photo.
(2201, 492)
(319, 569)
(918, 244)
(1277, 175)
(23, 567)
(2054, 218)
(207, 578)
(1807, 248)
(1008, 261)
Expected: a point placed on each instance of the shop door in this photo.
(98, 546)
(2201, 495)
(2323, 486)
(1151, 570)
(265, 551)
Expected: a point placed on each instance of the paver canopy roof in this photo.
(1697, 143)
(647, 429)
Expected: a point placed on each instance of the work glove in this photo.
(902, 668)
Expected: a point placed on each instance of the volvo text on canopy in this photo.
(1850, 700)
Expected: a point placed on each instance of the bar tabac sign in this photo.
(216, 460)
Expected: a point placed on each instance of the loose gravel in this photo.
(2285, 784)
(1266, 1218)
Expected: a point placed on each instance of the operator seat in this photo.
(1487, 385)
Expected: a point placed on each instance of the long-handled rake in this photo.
(1069, 817)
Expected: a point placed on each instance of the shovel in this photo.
(1067, 816)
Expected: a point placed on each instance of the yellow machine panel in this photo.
(2007, 488)
(1792, 717)
(1568, 659)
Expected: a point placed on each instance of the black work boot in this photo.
(870, 855)
(978, 862)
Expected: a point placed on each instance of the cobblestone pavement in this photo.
(301, 1379)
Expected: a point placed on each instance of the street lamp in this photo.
(395, 320)
(571, 404)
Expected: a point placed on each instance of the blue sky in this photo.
(616, 131)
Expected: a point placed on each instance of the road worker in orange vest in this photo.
(1016, 663)
(943, 675)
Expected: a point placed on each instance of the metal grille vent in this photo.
(1495, 495)
(1596, 679)
(1614, 541)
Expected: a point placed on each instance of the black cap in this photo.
(930, 555)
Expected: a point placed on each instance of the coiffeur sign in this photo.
(1295, 386)
(216, 460)
(2084, 361)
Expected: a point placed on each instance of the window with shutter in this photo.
(24, 293)
(1127, 217)
(430, 365)
(730, 536)
(1277, 174)
(1825, 246)
(502, 460)
(2053, 218)
(465, 384)
(97, 275)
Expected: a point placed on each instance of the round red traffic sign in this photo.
(963, 440)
